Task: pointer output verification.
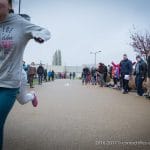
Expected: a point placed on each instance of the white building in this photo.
(63, 69)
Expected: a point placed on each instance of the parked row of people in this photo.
(124, 72)
(120, 74)
(95, 75)
(72, 75)
(40, 72)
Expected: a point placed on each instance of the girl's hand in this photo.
(39, 40)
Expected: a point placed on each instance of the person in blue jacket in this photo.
(49, 75)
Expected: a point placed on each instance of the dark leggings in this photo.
(40, 76)
(115, 80)
(125, 84)
(7, 100)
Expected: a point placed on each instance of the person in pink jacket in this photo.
(116, 74)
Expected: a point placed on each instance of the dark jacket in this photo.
(105, 70)
(45, 73)
(40, 70)
(148, 68)
(142, 69)
(126, 67)
(53, 73)
(86, 71)
(93, 72)
(101, 68)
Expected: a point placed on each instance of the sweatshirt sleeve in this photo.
(114, 64)
(34, 31)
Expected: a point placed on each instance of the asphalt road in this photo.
(75, 117)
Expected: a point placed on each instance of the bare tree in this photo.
(141, 43)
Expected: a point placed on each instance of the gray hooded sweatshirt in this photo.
(15, 32)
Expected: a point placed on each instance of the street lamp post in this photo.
(25, 16)
(95, 54)
(19, 6)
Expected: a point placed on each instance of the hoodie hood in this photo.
(8, 18)
(11, 17)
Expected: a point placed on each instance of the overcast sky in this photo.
(80, 26)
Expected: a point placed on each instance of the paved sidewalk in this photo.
(75, 117)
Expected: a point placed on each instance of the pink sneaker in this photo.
(35, 101)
